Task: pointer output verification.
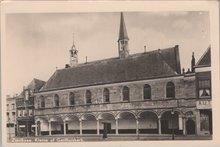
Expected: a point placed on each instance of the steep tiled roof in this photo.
(35, 85)
(205, 60)
(158, 63)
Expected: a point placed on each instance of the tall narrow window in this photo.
(56, 100)
(13, 116)
(88, 97)
(106, 95)
(170, 90)
(42, 102)
(125, 93)
(71, 98)
(8, 117)
(7, 106)
(147, 92)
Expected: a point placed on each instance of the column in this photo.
(116, 126)
(184, 126)
(159, 125)
(39, 129)
(64, 127)
(36, 126)
(197, 122)
(80, 126)
(137, 126)
(49, 122)
(97, 126)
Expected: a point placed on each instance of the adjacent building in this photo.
(25, 109)
(11, 117)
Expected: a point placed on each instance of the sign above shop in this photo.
(203, 104)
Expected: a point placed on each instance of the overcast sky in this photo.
(38, 43)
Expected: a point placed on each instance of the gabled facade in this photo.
(204, 93)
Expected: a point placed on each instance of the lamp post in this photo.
(172, 116)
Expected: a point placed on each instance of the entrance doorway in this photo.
(190, 127)
(106, 129)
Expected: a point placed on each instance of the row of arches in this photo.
(146, 122)
(170, 93)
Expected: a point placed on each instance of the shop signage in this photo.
(203, 104)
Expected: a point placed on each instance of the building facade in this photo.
(11, 117)
(204, 94)
(145, 93)
(25, 109)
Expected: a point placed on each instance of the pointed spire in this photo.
(122, 31)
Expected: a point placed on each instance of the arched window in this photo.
(147, 92)
(71, 98)
(170, 90)
(56, 100)
(88, 97)
(42, 102)
(125, 93)
(106, 95)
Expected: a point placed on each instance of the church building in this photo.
(143, 93)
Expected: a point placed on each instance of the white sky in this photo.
(38, 43)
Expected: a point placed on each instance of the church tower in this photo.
(73, 55)
(123, 39)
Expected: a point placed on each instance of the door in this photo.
(190, 127)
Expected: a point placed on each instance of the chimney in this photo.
(193, 62)
(145, 49)
(67, 66)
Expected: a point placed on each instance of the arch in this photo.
(42, 101)
(56, 100)
(170, 90)
(170, 122)
(125, 94)
(55, 119)
(107, 123)
(71, 118)
(138, 115)
(88, 116)
(71, 98)
(72, 124)
(106, 95)
(89, 123)
(127, 122)
(147, 92)
(125, 112)
(88, 97)
(106, 115)
(148, 122)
